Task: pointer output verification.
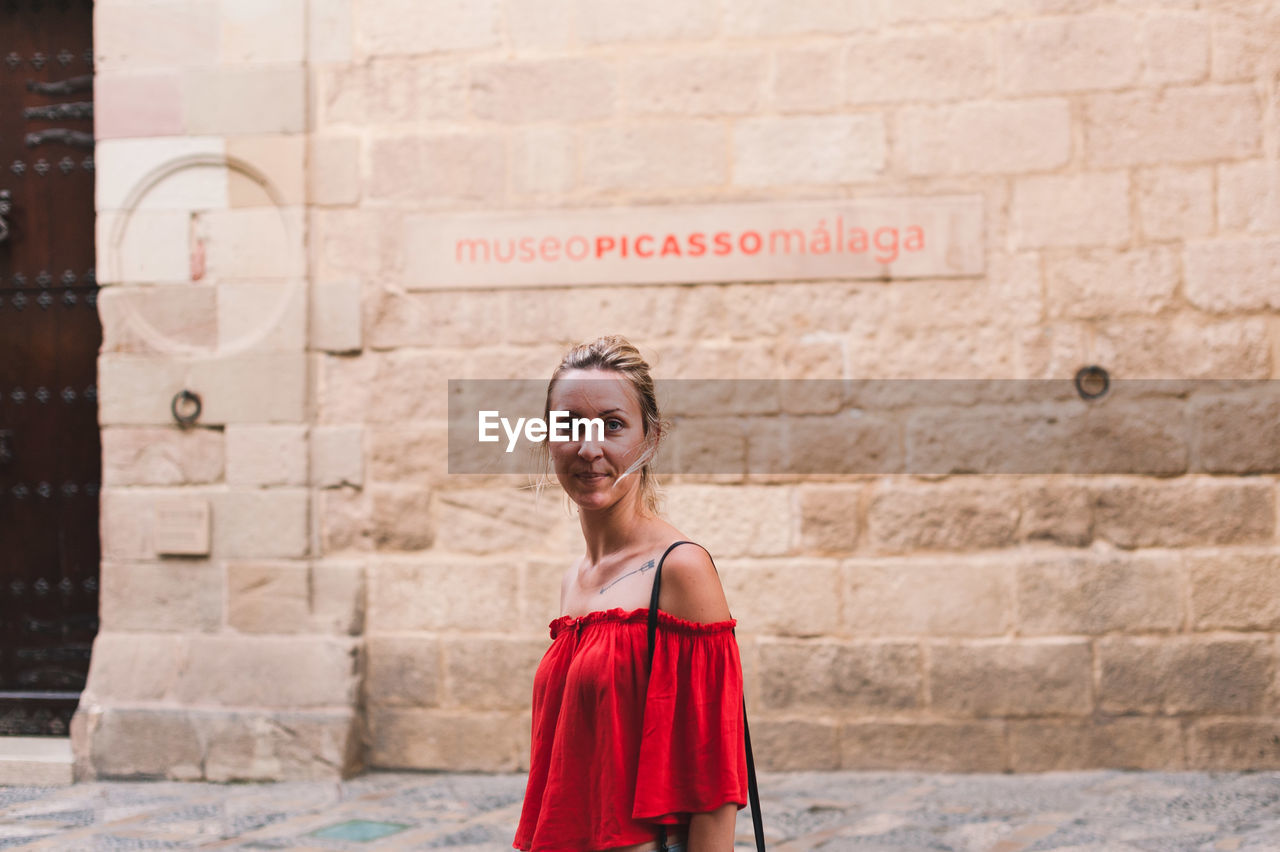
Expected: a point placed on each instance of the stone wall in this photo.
(358, 606)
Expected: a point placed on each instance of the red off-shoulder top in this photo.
(615, 752)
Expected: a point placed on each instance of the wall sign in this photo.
(915, 237)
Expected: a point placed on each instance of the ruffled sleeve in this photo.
(693, 757)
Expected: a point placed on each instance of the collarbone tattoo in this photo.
(645, 567)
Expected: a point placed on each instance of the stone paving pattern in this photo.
(1106, 811)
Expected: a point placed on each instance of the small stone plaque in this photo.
(182, 527)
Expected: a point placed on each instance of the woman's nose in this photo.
(589, 450)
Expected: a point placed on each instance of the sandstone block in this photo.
(1184, 675)
(829, 520)
(565, 90)
(944, 596)
(254, 243)
(1234, 589)
(983, 137)
(540, 595)
(1011, 678)
(545, 26)
(124, 35)
(1249, 196)
(1053, 350)
(542, 163)
(268, 387)
(336, 324)
(1238, 433)
(1099, 594)
(793, 597)
(930, 67)
(445, 317)
(491, 673)
(329, 30)
(487, 520)
(1233, 744)
(977, 746)
(411, 738)
(266, 455)
(1068, 53)
(1230, 276)
(603, 21)
(402, 518)
(404, 671)
(463, 594)
(1085, 209)
(1243, 39)
(289, 672)
(129, 667)
(442, 167)
(808, 79)
(1184, 512)
(257, 32)
(179, 596)
(771, 18)
(137, 105)
(294, 597)
(259, 524)
(406, 90)
(534, 316)
(1184, 348)
(151, 247)
(828, 149)
(427, 26)
(258, 98)
(1141, 743)
(138, 743)
(279, 158)
(345, 522)
(1175, 47)
(262, 316)
(789, 745)
(673, 154)
(161, 455)
(126, 164)
(1106, 282)
(861, 677)
(1183, 124)
(280, 746)
(412, 455)
(944, 516)
(693, 84)
(739, 521)
(124, 524)
(1175, 203)
(337, 456)
(1056, 512)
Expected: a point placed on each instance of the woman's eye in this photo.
(612, 420)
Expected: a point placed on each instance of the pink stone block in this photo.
(137, 105)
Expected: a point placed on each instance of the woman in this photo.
(622, 758)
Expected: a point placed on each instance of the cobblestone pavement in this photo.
(1108, 811)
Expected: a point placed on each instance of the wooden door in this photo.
(49, 338)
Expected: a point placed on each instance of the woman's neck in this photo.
(613, 529)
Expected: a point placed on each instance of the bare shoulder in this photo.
(691, 586)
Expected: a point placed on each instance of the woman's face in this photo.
(589, 468)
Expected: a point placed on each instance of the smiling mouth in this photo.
(591, 475)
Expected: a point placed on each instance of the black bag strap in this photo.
(752, 789)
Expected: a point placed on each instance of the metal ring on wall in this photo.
(191, 407)
(1092, 374)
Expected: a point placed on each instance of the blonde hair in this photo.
(616, 354)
